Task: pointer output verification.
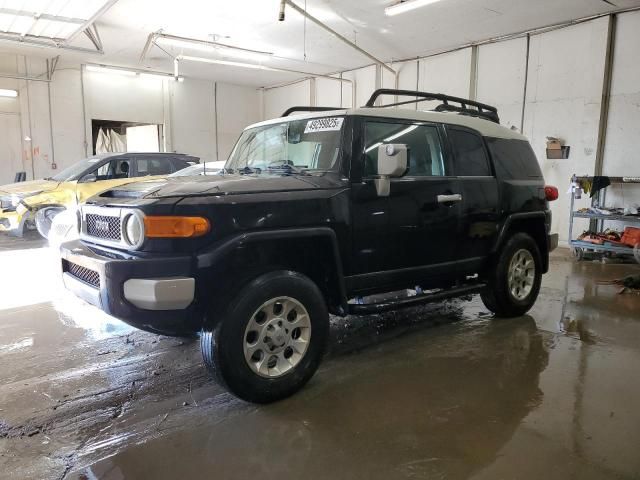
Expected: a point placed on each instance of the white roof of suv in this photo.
(486, 128)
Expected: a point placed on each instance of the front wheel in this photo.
(514, 283)
(44, 219)
(270, 338)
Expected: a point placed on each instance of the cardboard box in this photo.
(554, 143)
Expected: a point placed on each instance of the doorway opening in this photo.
(116, 136)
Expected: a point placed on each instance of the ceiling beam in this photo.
(41, 16)
(87, 23)
(304, 13)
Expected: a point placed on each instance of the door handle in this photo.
(456, 197)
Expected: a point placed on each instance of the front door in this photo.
(411, 234)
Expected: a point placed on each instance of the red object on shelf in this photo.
(631, 236)
(550, 193)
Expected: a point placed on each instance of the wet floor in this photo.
(439, 392)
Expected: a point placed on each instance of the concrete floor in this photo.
(430, 393)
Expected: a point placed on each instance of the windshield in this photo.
(294, 146)
(75, 170)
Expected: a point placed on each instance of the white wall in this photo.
(10, 136)
(500, 78)
(237, 107)
(193, 118)
(277, 100)
(448, 73)
(187, 110)
(623, 128)
(564, 95)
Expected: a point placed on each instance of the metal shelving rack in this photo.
(598, 219)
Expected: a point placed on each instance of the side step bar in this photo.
(386, 305)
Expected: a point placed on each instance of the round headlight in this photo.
(133, 230)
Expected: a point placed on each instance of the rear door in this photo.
(480, 197)
(410, 234)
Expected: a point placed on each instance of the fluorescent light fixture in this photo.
(113, 70)
(132, 73)
(229, 63)
(8, 93)
(253, 66)
(219, 48)
(407, 5)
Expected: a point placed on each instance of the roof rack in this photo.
(480, 110)
(291, 110)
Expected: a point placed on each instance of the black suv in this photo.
(314, 214)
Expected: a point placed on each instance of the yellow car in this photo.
(26, 205)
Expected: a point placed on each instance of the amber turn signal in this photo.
(175, 227)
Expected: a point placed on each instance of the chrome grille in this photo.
(86, 275)
(103, 226)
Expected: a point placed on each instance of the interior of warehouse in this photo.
(544, 81)
(95, 397)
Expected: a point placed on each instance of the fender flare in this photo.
(210, 258)
(502, 235)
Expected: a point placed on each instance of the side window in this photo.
(425, 150)
(470, 156)
(117, 168)
(153, 166)
(513, 158)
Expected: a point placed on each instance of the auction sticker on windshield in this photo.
(324, 125)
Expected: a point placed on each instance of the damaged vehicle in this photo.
(324, 212)
(34, 204)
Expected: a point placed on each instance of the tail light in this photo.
(550, 193)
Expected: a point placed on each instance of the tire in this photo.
(515, 299)
(252, 322)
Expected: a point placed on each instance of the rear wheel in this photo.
(270, 338)
(514, 284)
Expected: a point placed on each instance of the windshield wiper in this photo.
(287, 167)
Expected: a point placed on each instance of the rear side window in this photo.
(154, 166)
(469, 153)
(425, 151)
(513, 159)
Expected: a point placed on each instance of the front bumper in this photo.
(156, 295)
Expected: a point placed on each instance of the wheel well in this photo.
(536, 229)
(311, 256)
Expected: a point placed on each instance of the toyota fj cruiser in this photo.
(313, 214)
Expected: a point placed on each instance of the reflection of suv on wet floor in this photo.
(315, 214)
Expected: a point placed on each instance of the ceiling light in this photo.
(8, 93)
(227, 62)
(132, 73)
(113, 70)
(206, 46)
(407, 5)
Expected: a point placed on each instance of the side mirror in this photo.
(392, 162)
(88, 178)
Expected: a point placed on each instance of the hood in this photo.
(33, 186)
(223, 185)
